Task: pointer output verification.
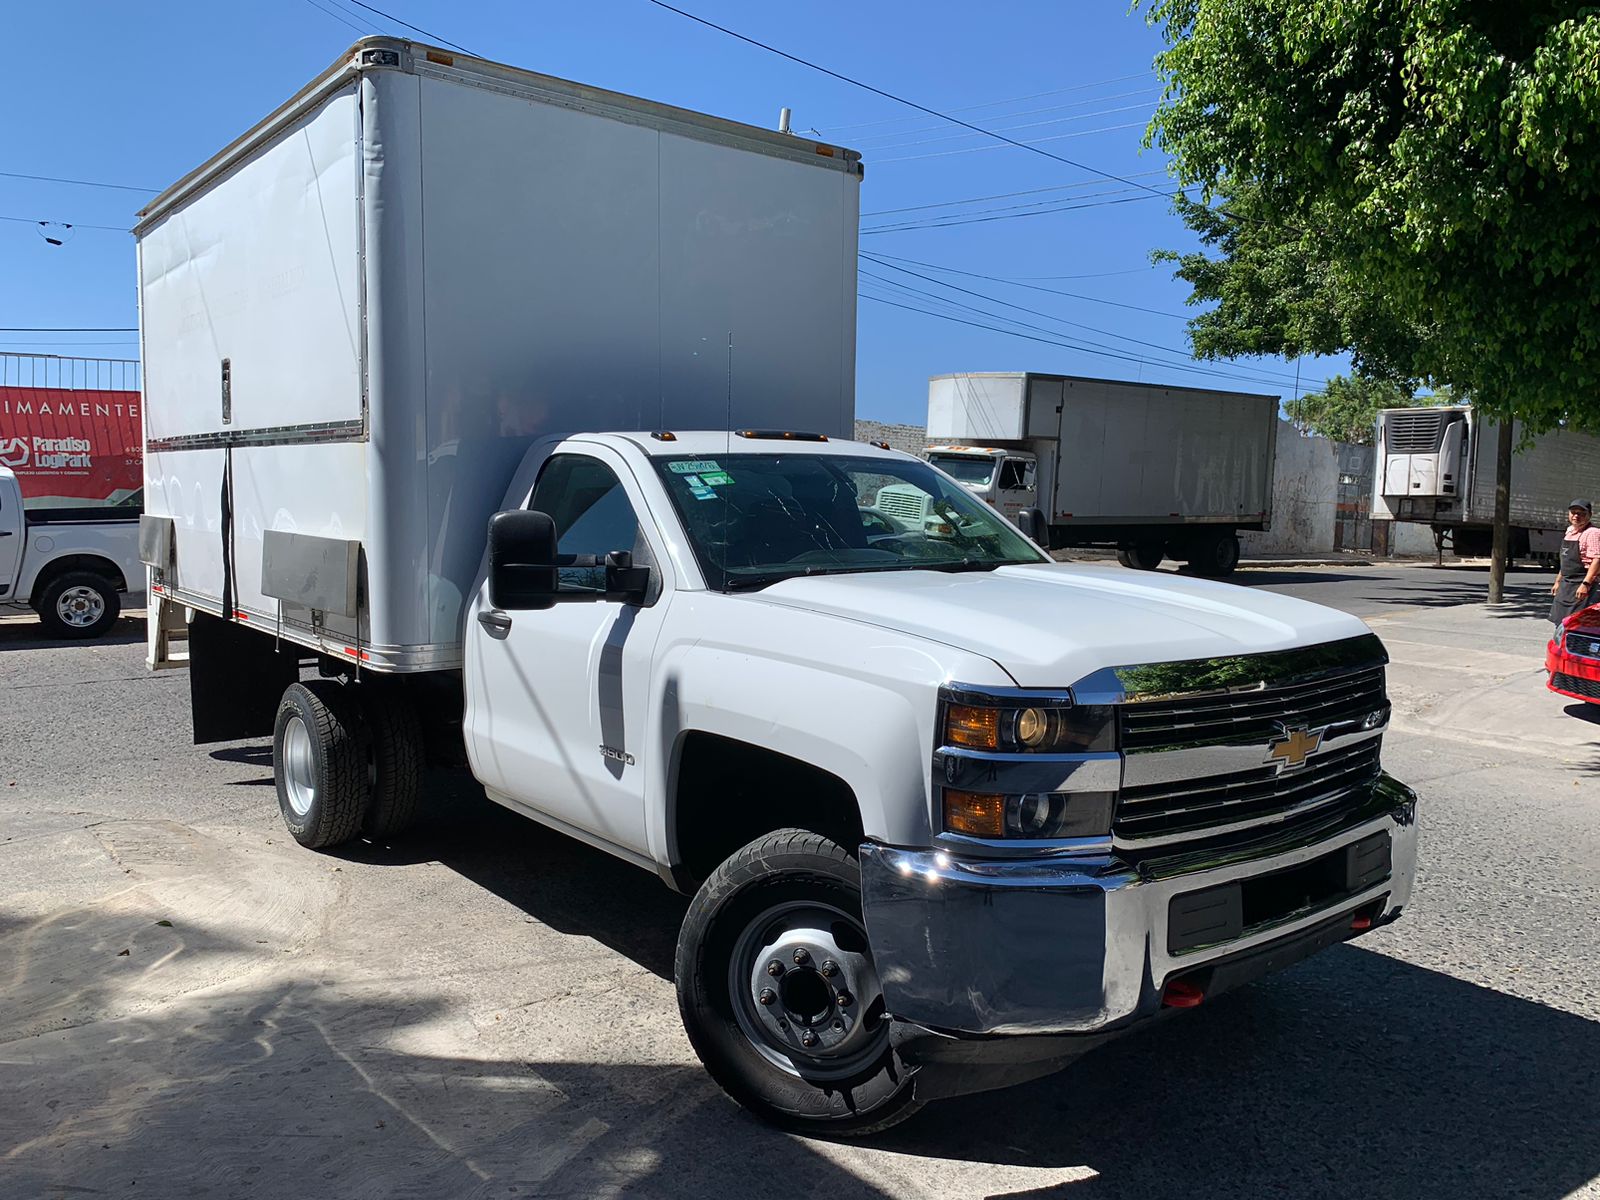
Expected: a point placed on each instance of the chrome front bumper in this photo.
(1076, 945)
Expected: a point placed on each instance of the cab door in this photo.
(1016, 486)
(558, 698)
(11, 533)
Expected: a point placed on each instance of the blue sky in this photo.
(138, 94)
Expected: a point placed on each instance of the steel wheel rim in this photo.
(80, 607)
(849, 1036)
(299, 769)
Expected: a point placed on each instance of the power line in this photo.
(1026, 112)
(64, 345)
(1060, 187)
(65, 224)
(121, 187)
(338, 16)
(1253, 374)
(1082, 87)
(415, 28)
(951, 137)
(69, 329)
(976, 219)
(1036, 288)
(932, 112)
(1033, 145)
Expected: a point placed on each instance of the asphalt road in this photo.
(191, 1005)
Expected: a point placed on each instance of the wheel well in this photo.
(92, 563)
(729, 793)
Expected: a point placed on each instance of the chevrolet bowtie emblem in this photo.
(1294, 747)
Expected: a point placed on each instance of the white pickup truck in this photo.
(71, 566)
(950, 812)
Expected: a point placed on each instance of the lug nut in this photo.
(829, 968)
(808, 1039)
(767, 996)
(802, 956)
(839, 1026)
(845, 999)
(774, 968)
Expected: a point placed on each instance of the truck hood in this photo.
(1050, 625)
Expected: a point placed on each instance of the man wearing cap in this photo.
(1580, 562)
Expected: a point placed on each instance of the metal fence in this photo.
(69, 374)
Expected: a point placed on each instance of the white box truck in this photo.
(1155, 471)
(950, 812)
(1436, 467)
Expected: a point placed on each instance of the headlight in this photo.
(1033, 815)
(1052, 725)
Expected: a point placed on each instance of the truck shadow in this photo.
(1353, 1074)
(28, 634)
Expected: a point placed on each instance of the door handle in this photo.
(5, 532)
(494, 619)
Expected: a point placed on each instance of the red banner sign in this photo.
(72, 447)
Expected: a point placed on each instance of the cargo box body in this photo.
(357, 318)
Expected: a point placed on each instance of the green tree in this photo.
(1424, 170)
(1347, 408)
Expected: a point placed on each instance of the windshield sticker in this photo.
(716, 478)
(702, 493)
(693, 481)
(693, 466)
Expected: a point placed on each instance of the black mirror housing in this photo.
(1032, 524)
(522, 560)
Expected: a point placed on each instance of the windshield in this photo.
(755, 519)
(965, 467)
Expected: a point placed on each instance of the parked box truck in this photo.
(1154, 471)
(428, 350)
(1436, 467)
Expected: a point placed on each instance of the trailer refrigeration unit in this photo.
(1436, 467)
(495, 419)
(1157, 472)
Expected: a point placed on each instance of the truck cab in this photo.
(1005, 479)
(70, 566)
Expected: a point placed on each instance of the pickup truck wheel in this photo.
(778, 991)
(319, 762)
(395, 769)
(78, 604)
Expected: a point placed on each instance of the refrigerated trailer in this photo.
(1154, 471)
(1436, 467)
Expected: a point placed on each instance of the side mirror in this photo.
(1032, 523)
(522, 560)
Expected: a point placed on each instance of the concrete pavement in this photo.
(191, 1005)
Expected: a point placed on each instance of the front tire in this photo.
(779, 995)
(79, 604)
(319, 763)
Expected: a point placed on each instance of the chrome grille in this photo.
(1252, 716)
(1216, 803)
(1420, 432)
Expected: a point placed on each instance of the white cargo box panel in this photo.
(363, 312)
(989, 406)
(1547, 474)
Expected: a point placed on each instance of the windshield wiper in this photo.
(961, 564)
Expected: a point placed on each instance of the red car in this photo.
(1573, 656)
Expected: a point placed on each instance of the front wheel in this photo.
(779, 994)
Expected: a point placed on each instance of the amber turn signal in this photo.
(976, 814)
(977, 728)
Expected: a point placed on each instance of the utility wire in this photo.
(1032, 145)
(340, 17)
(1026, 112)
(121, 187)
(1036, 288)
(974, 219)
(1081, 87)
(1060, 187)
(415, 28)
(69, 329)
(65, 224)
(923, 108)
(952, 137)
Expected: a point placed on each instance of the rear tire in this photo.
(1146, 556)
(319, 763)
(394, 738)
(1216, 556)
(78, 604)
(762, 908)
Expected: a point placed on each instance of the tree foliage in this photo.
(1416, 182)
(1347, 409)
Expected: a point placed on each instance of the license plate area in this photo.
(1212, 916)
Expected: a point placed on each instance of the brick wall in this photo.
(913, 439)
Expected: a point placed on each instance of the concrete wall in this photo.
(913, 439)
(1305, 495)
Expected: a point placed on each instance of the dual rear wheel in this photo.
(347, 760)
